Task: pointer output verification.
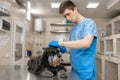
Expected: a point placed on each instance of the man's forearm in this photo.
(83, 43)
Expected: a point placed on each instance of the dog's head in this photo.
(52, 54)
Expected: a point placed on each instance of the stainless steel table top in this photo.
(19, 72)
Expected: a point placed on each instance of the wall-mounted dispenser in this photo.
(38, 24)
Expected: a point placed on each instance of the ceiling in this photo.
(42, 8)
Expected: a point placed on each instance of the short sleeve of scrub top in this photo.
(90, 28)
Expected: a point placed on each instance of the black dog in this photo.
(48, 64)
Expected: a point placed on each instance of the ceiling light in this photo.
(93, 5)
(55, 5)
(28, 5)
(28, 16)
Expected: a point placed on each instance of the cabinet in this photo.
(61, 31)
(108, 61)
(110, 43)
(61, 28)
(108, 67)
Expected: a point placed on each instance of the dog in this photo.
(48, 64)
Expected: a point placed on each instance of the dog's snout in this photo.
(54, 60)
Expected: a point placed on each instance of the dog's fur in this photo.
(40, 64)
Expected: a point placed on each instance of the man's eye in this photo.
(68, 14)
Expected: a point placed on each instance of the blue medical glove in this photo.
(63, 49)
(54, 44)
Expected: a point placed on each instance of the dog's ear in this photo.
(46, 53)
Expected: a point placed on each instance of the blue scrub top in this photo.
(83, 59)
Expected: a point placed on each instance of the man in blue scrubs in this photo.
(82, 42)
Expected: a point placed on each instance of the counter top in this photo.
(19, 72)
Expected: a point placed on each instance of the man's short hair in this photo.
(66, 5)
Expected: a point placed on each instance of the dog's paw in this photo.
(47, 74)
(63, 74)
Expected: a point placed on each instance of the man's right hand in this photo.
(63, 49)
(54, 44)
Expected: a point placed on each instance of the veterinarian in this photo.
(82, 42)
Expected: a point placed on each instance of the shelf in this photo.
(60, 31)
(62, 24)
(61, 27)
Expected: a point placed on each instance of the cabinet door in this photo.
(17, 42)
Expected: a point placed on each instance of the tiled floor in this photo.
(19, 72)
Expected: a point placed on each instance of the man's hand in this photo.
(63, 49)
(56, 44)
